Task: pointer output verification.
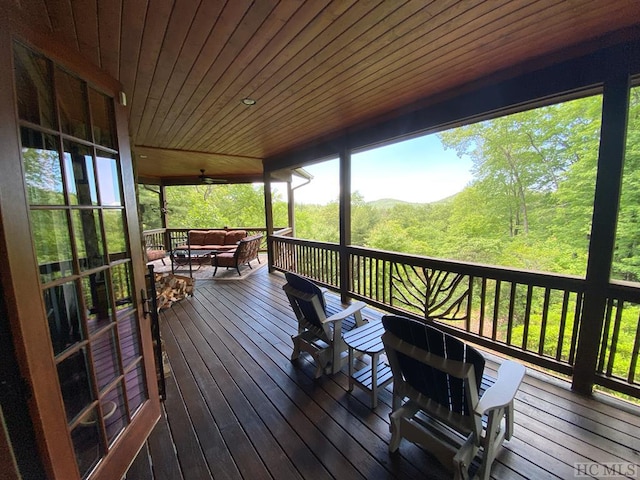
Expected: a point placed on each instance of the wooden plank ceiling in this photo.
(313, 67)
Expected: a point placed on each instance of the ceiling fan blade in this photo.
(210, 180)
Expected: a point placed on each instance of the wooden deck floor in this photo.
(238, 408)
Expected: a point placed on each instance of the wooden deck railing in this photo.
(528, 315)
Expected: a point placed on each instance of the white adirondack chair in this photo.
(437, 401)
(320, 332)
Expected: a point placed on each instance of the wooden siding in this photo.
(315, 68)
(238, 408)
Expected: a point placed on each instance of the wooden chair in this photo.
(437, 401)
(320, 332)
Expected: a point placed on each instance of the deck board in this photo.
(237, 407)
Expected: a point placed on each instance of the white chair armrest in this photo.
(501, 393)
(350, 310)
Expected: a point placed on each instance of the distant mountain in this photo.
(387, 203)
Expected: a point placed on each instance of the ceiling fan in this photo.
(209, 180)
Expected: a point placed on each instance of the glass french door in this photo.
(73, 178)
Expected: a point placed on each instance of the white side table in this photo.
(366, 339)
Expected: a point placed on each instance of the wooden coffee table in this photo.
(367, 339)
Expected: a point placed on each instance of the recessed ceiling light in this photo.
(248, 101)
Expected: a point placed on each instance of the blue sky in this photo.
(418, 170)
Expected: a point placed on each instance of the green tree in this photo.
(217, 206)
(149, 206)
(626, 263)
(530, 152)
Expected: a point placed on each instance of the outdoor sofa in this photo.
(205, 241)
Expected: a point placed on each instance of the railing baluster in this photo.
(483, 305)
(469, 303)
(634, 355)
(369, 290)
(385, 291)
(527, 318)
(605, 335)
(512, 301)
(543, 326)
(496, 311)
(576, 327)
(614, 338)
(563, 323)
(327, 266)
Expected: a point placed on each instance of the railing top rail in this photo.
(542, 279)
(470, 268)
(627, 291)
(311, 243)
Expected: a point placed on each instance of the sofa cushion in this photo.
(153, 254)
(214, 237)
(234, 236)
(197, 237)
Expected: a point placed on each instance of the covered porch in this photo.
(237, 407)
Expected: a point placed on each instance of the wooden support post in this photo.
(611, 154)
(291, 208)
(268, 214)
(162, 201)
(345, 220)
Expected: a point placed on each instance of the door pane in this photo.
(102, 116)
(88, 235)
(136, 387)
(50, 230)
(33, 86)
(72, 103)
(42, 171)
(86, 443)
(129, 337)
(116, 234)
(63, 311)
(74, 383)
(105, 359)
(95, 292)
(114, 411)
(81, 179)
(108, 179)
